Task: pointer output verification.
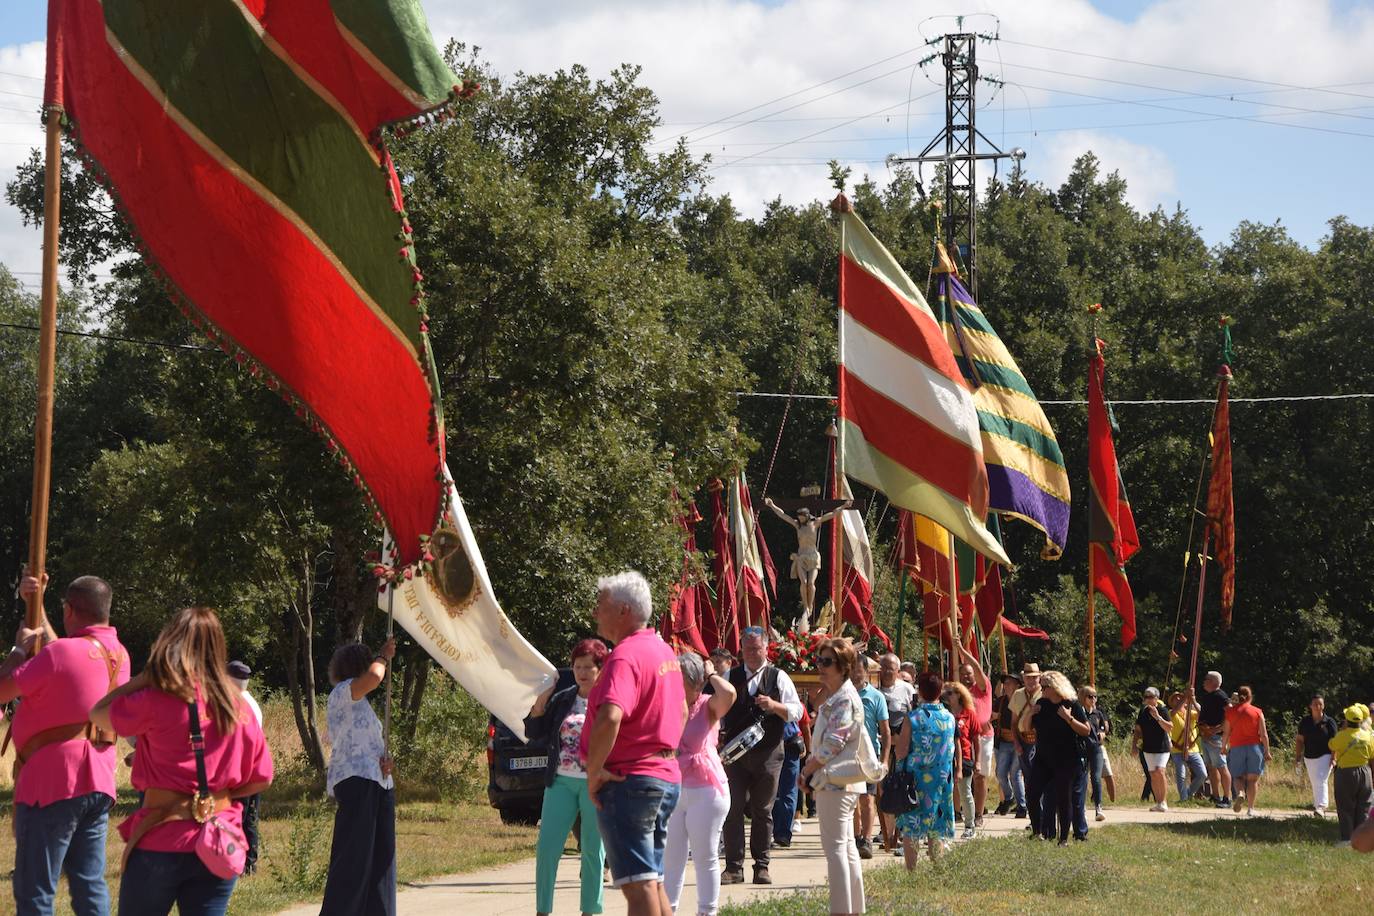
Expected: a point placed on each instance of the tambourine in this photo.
(742, 743)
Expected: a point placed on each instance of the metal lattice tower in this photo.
(960, 139)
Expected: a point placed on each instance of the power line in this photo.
(116, 338)
(1143, 63)
(22, 76)
(1188, 92)
(823, 130)
(783, 98)
(1147, 402)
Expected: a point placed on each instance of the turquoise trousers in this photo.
(563, 802)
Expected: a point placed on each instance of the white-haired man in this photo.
(636, 712)
(1211, 719)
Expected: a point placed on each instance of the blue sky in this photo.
(1157, 88)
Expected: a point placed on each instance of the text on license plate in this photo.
(529, 763)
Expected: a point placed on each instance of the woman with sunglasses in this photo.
(838, 731)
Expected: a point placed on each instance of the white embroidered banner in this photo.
(451, 611)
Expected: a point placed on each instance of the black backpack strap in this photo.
(198, 746)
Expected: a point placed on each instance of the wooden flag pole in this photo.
(1092, 611)
(1002, 643)
(47, 361)
(953, 609)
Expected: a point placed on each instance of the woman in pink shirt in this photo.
(695, 823)
(186, 672)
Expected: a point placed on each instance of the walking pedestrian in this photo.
(879, 732)
(928, 749)
(239, 673)
(1313, 750)
(695, 824)
(959, 702)
(1245, 740)
(1099, 764)
(900, 694)
(199, 747)
(362, 857)
(839, 735)
(1185, 754)
(1151, 739)
(1023, 707)
(1010, 780)
(972, 676)
(636, 713)
(764, 694)
(1352, 748)
(1211, 721)
(64, 770)
(1060, 721)
(555, 723)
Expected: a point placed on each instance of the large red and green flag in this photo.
(908, 426)
(1027, 478)
(1221, 509)
(1111, 526)
(243, 142)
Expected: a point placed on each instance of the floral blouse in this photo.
(355, 739)
(840, 719)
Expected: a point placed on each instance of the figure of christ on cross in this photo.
(806, 562)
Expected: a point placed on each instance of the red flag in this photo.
(690, 598)
(749, 553)
(1111, 526)
(1221, 510)
(727, 605)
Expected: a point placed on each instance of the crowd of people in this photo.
(662, 758)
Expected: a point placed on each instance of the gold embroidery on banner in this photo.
(452, 576)
(442, 645)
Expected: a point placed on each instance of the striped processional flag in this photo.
(1027, 478)
(908, 426)
(241, 140)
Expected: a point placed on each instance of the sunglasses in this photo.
(825, 661)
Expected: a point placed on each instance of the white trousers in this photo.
(695, 826)
(835, 812)
(1318, 772)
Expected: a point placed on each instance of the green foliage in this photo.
(442, 753)
(301, 864)
(594, 307)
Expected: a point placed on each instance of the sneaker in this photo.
(1235, 805)
(783, 844)
(1100, 815)
(1020, 812)
(897, 850)
(761, 875)
(1223, 802)
(865, 850)
(1064, 842)
(1249, 812)
(1162, 807)
(1319, 812)
(732, 877)
(978, 821)
(1002, 808)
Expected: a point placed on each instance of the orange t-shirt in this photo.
(1245, 724)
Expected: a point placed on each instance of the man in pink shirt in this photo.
(66, 784)
(635, 715)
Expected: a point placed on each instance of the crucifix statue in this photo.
(806, 562)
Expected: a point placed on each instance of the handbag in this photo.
(220, 844)
(857, 761)
(899, 794)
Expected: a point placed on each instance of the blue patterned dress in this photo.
(931, 759)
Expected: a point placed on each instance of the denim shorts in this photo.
(1247, 760)
(1211, 752)
(634, 826)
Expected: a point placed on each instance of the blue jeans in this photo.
(785, 805)
(1095, 772)
(634, 826)
(154, 881)
(66, 836)
(1009, 776)
(1183, 764)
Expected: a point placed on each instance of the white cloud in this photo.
(1150, 179)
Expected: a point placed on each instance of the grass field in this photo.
(434, 836)
(1252, 866)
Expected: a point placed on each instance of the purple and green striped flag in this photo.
(1026, 474)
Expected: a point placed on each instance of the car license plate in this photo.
(529, 763)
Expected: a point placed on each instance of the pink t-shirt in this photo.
(697, 756)
(642, 678)
(164, 759)
(59, 686)
(982, 708)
